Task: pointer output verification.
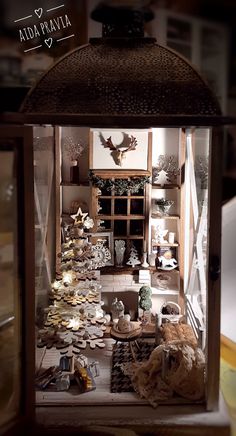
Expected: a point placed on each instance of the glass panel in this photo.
(196, 222)
(44, 217)
(9, 288)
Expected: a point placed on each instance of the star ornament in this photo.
(79, 217)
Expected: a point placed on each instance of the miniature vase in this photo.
(120, 251)
(74, 172)
(145, 263)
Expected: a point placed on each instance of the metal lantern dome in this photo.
(124, 76)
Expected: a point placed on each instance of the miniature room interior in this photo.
(121, 241)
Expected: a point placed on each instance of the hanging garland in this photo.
(120, 186)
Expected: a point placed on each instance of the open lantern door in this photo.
(17, 280)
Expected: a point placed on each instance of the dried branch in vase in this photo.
(73, 149)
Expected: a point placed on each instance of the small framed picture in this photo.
(107, 239)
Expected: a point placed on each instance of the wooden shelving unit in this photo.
(120, 217)
(165, 217)
(124, 215)
(173, 222)
(129, 237)
(123, 196)
(175, 244)
(170, 186)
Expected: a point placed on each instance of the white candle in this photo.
(144, 246)
(171, 237)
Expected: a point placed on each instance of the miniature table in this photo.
(130, 337)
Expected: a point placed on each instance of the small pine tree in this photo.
(145, 302)
(133, 257)
(77, 256)
(162, 178)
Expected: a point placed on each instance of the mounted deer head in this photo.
(119, 154)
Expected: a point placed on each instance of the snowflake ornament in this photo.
(88, 223)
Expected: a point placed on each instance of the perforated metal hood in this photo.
(122, 76)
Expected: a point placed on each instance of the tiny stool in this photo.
(130, 337)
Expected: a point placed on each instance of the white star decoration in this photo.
(79, 217)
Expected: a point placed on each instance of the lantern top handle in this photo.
(122, 19)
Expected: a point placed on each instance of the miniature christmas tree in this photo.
(133, 257)
(76, 307)
(162, 178)
(166, 170)
(77, 253)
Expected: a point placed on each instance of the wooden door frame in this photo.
(214, 280)
(25, 187)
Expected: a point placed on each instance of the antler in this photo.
(118, 153)
(132, 144)
(110, 144)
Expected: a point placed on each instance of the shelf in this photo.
(157, 291)
(165, 186)
(75, 184)
(165, 217)
(107, 174)
(120, 217)
(129, 237)
(108, 197)
(167, 271)
(175, 244)
(124, 270)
